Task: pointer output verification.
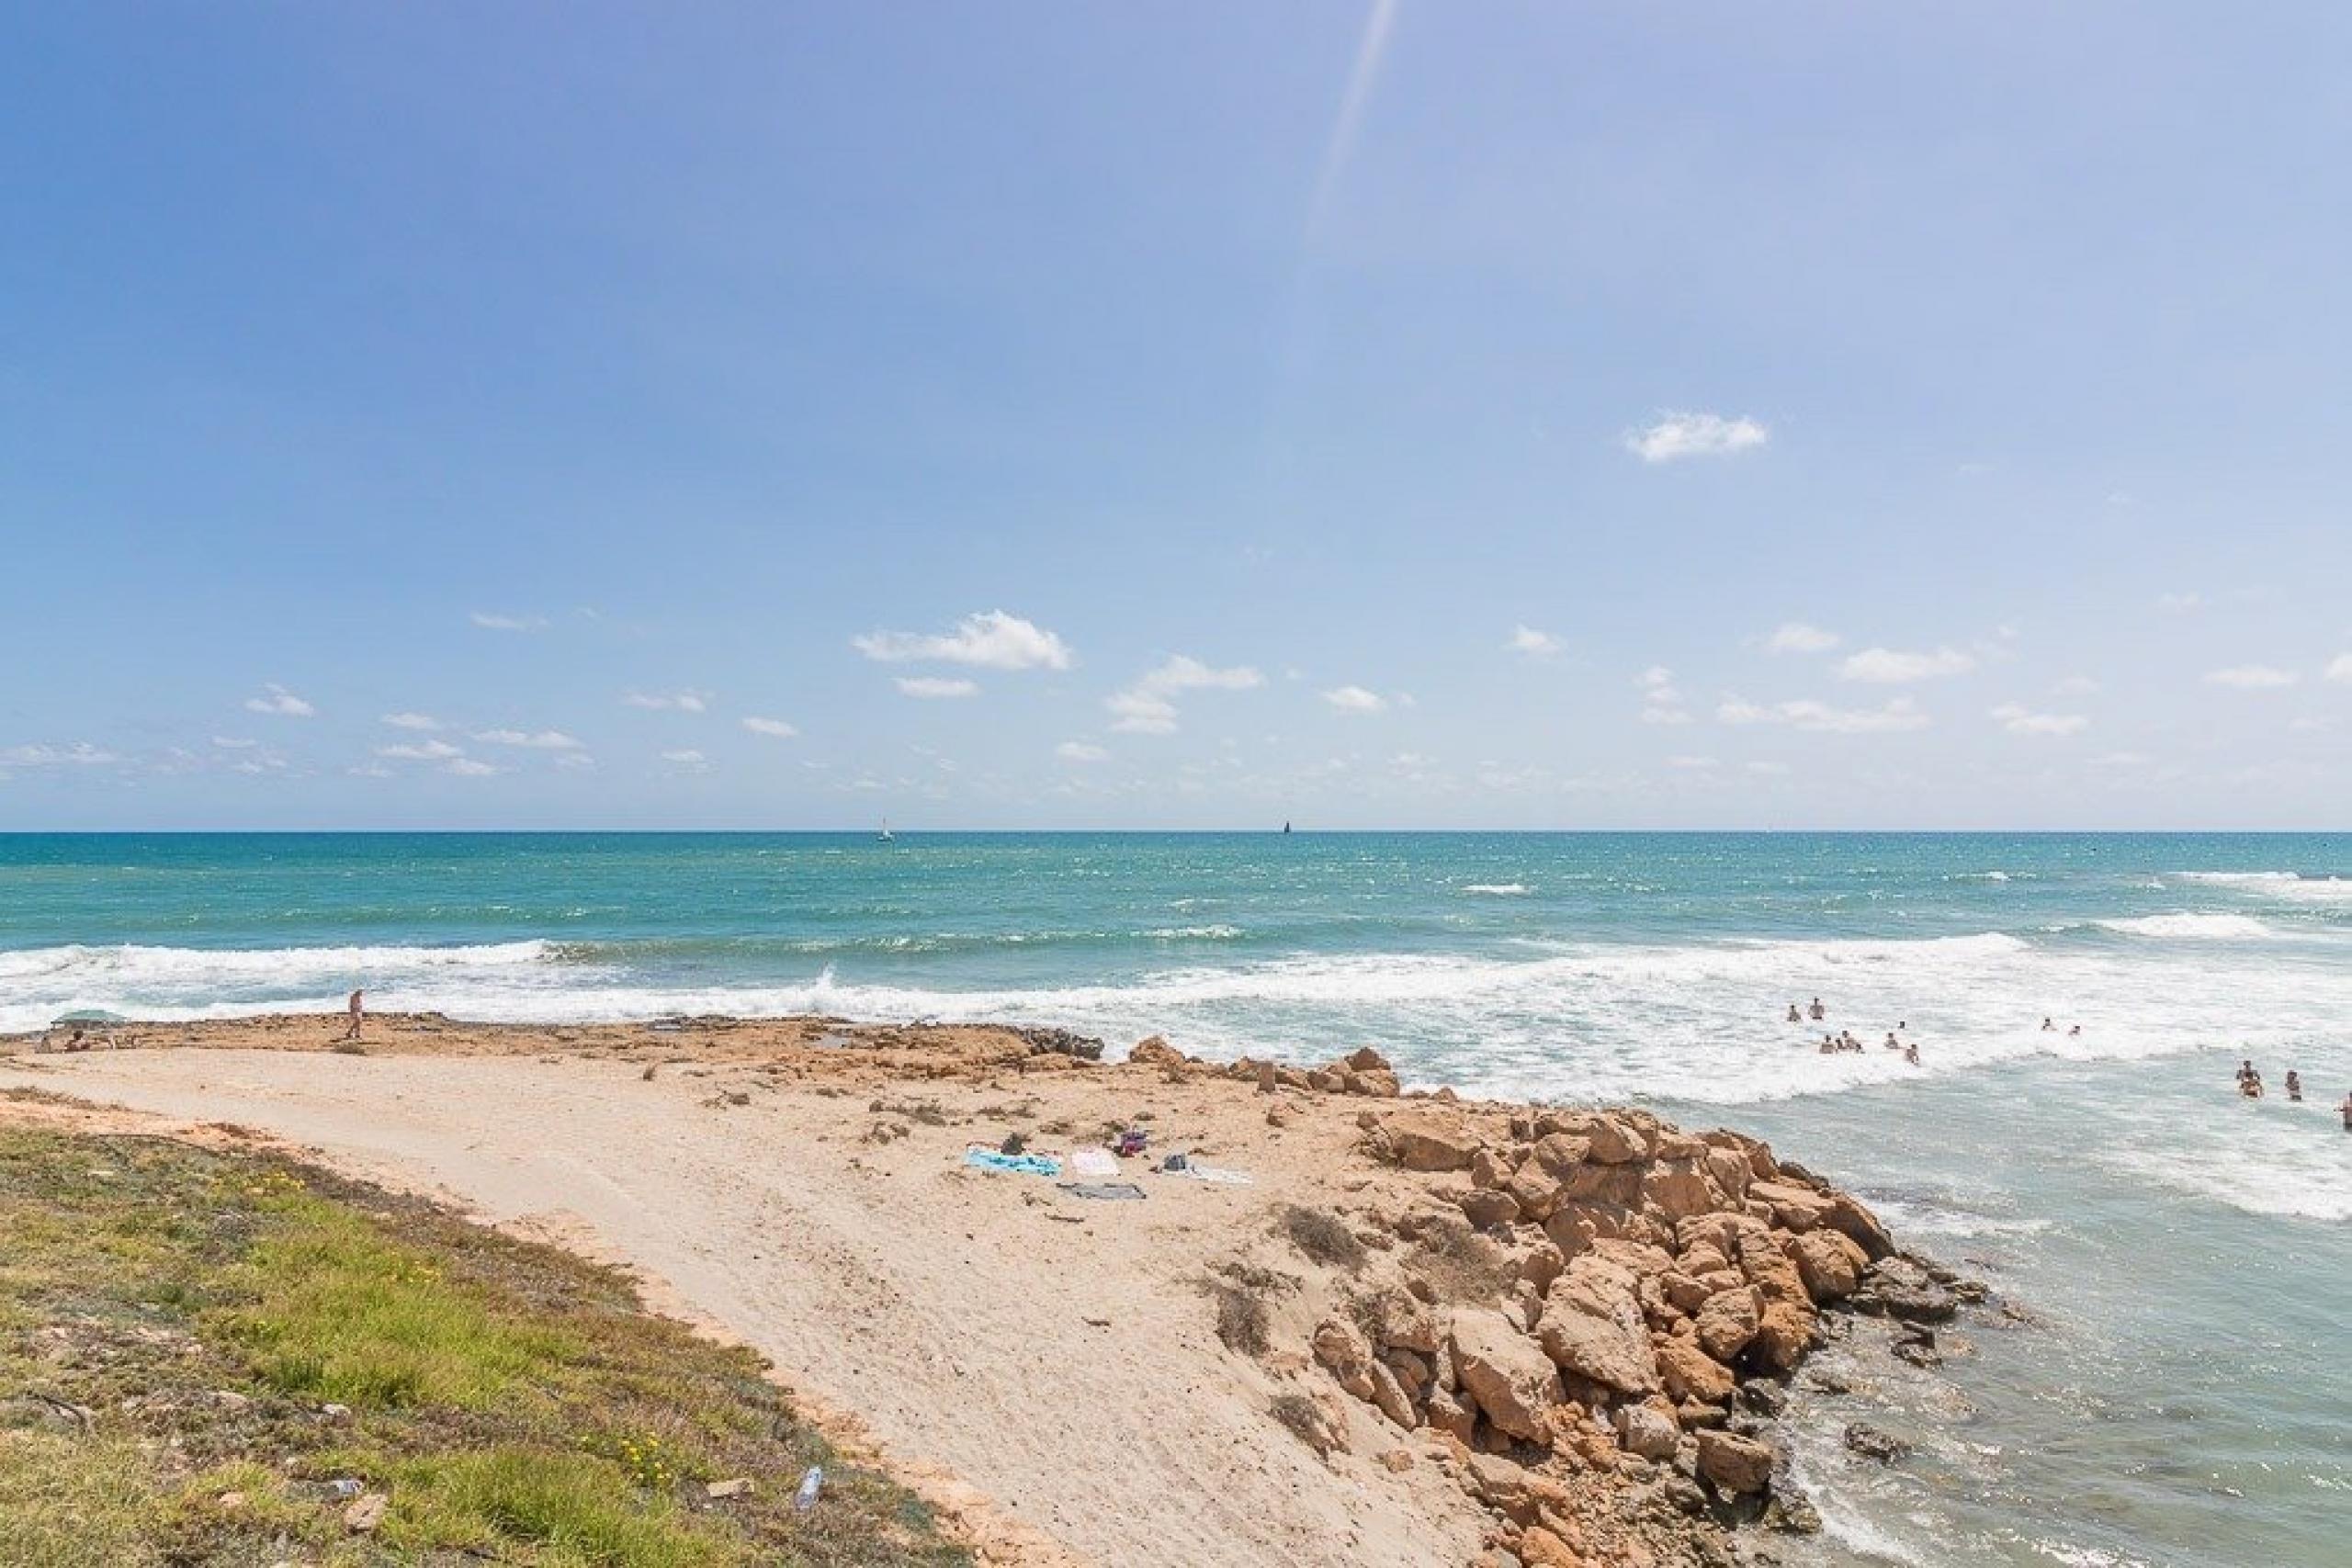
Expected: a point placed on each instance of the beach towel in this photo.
(1113, 1190)
(1020, 1165)
(1094, 1162)
(1212, 1173)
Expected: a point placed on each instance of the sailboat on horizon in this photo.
(884, 836)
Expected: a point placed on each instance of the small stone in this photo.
(365, 1514)
(1872, 1443)
(1397, 1461)
(738, 1487)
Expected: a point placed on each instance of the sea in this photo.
(2173, 1387)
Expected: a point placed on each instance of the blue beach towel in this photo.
(1020, 1165)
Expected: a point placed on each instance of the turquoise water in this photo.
(2184, 1398)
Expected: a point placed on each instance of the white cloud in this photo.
(80, 754)
(689, 760)
(1677, 435)
(574, 759)
(536, 740)
(1533, 643)
(469, 767)
(1148, 706)
(421, 751)
(412, 721)
(687, 701)
(1797, 636)
(1080, 751)
(2017, 719)
(936, 686)
(1820, 719)
(1661, 701)
(1355, 699)
(2339, 668)
(490, 622)
(1895, 667)
(2076, 686)
(369, 770)
(233, 743)
(2179, 604)
(276, 699)
(992, 641)
(775, 727)
(2252, 677)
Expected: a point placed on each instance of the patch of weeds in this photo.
(510, 1401)
(1461, 1263)
(1244, 1319)
(1323, 1236)
(1303, 1418)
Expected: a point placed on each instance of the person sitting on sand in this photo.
(1819, 1012)
(353, 1033)
(2294, 1086)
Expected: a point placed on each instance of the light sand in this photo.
(1058, 1355)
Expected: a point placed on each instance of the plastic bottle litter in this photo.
(810, 1484)
(346, 1486)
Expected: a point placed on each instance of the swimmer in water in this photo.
(2294, 1086)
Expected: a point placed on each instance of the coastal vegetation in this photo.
(227, 1357)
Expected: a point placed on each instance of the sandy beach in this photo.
(1048, 1366)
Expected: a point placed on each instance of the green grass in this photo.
(173, 1322)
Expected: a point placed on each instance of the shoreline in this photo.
(1561, 1335)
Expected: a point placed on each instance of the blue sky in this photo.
(1545, 415)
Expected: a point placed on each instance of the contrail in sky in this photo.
(1343, 131)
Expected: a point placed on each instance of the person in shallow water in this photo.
(1797, 1014)
(1911, 1054)
(2047, 1027)
(1819, 1012)
(2246, 1073)
(1891, 1043)
(2346, 1109)
(2294, 1086)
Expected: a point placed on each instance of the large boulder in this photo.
(1680, 1187)
(1734, 1464)
(1542, 1180)
(1857, 1224)
(1727, 1323)
(1156, 1051)
(1592, 1325)
(1345, 1352)
(1690, 1373)
(1796, 1208)
(1490, 1208)
(1504, 1372)
(1429, 1140)
(1365, 1059)
(1830, 1263)
(1614, 1141)
(1784, 1332)
(1646, 1430)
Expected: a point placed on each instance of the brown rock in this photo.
(364, 1513)
(1735, 1464)
(1784, 1333)
(1488, 1170)
(1680, 1187)
(1488, 1209)
(1379, 1084)
(1730, 1170)
(1646, 1430)
(1397, 1461)
(1539, 1548)
(1156, 1051)
(1614, 1141)
(1429, 1140)
(1504, 1372)
(1830, 1263)
(1799, 1209)
(1389, 1395)
(1592, 1325)
(1365, 1059)
(1687, 1293)
(1727, 1323)
(1690, 1373)
(1268, 1078)
(1857, 1224)
(1447, 1414)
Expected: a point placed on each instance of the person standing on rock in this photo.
(353, 1033)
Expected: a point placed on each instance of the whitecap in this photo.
(1499, 889)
